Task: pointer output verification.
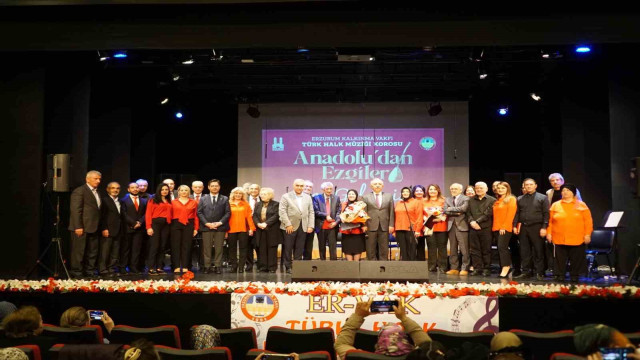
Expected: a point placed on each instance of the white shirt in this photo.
(115, 199)
(95, 193)
(299, 201)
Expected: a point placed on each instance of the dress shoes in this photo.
(205, 270)
(272, 271)
(507, 274)
(486, 272)
(524, 275)
(288, 271)
(464, 273)
(248, 268)
(433, 269)
(540, 277)
(217, 270)
(453, 272)
(234, 269)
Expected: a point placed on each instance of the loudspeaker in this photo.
(59, 175)
(325, 270)
(394, 270)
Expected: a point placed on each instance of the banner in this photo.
(260, 311)
(351, 158)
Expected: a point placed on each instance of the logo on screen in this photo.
(277, 145)
(427, 143)
(259, 308)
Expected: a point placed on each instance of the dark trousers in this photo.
(109, 253)
(503, 247)
(532, 249)
(307, 253)
(422, 242)
(181, 243)
(251, 246)
(268, 258)
(238, 243)
(330, 237)
(211, 239)
(437, 250)
(131, 250)
(293, 242)
(407, 242)
(480, 248)
(84, 252)
(377, 245)
(575, 255)
(549, 258)
(157, 243)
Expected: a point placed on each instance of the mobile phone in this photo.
(96, 314)
(277, 356)
(383, 306)
(615, 353)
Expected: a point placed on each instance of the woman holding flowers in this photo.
(352, 226)
(436, 229)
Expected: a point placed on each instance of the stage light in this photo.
(483, 76)
(179, 115)
(253, 111)
(120, 55)
(535, 97)
(175, 77)
(164, 101)
(104, 58)
(503, 111)
(434, 109)
(545, 56)
(302, 49)
(583, 49)
(187, 62)
(371, 58)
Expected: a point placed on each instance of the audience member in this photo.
(77, 316)
(392, 339)
(588, 339)
(6, 308)
(23, 327)
(141, 349)
(11, 353)
(570, 228)
(204, 337)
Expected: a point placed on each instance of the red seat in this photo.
(91, 334)
(452, 339)
(32, 351)
(543, 345)
(215, 353)
(565, 356)
(312, 355)
(239, 340)
(366, 355)
(167, 335)
(284, 341)
(84, 351)
(365, 340)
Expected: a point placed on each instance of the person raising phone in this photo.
(77, 316)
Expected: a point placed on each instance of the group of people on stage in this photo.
(108, 233)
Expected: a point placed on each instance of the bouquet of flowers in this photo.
(353, 215)
(431, 214)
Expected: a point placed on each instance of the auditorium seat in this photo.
(452, 339)
(313, 355)
(85, 351)
(366, 355)
(215, 353)
(32, 351)
(633, 337)
(239, 340)
(167, 335)
(543, 345)
(285, 341)
(566, 356)
(91, 334)
(365, 340)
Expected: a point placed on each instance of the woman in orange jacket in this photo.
(408, 224)
(241, 226)
(570, 228)
(504, 210)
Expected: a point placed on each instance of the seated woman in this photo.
(12, 354)
(392, 340)
(204, 337)
(77, 316)
(24, 327)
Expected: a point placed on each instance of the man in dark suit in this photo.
(84, 221)
(326, 208)
(134, 208)
(143, 185)
(382, 217)
(172, 184)
(111, 223)
(455, 206)
(214, 213)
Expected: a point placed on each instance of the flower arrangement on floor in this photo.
(185, 285)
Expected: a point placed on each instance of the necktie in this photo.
(197, 198)
(379, 200)
(455, 198)
(135, 202)
(215, 200)
(328, 205)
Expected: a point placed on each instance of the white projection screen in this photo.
(348, 144)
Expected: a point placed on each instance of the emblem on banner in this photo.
(277, 145)
(259, 308)
(427, 143)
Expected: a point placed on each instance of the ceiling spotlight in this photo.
(175, 77)
(545, 56)
(104, 58)
(535, 97)
(178, 115)
(164, 101)
(253, 111)
(302, 49)
(503, 111)
(120, 55)
(434, 109)
(371, 58)
(187, 62)
(483, 76)
(246, 61)
(583, 49)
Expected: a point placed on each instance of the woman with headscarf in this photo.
(570, 228)
(392, 339)
(352, 233)
(408, 224)
(204, 337)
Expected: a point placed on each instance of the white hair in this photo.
(376, 179)
(298, 180)
(308, 182)
(457, 185)
(556, 175)
(326, 184)
(93, 172)
(482, 183)
(197, 182)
